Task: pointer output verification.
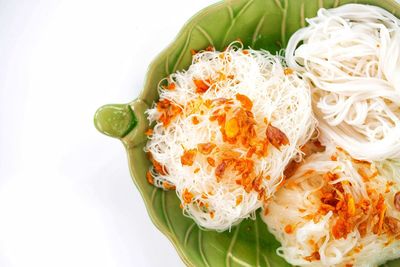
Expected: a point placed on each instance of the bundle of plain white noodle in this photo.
(307, 235)
(282, 99)
(351, 56)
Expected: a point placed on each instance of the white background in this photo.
(66, 197)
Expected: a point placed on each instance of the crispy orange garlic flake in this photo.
(210, 48)
(341, 228)
(288, 71)
(149, 177)
(187, 196)
(313, 257)
(211, 161)
(239, 200)
(157, 166)
(201, 86)
(206, 148)
(188, 157)
(195, 120)
(149, 132)
(232, 128)
(289, 229)
(168, 111)
(276, 137)
(168, 186)
(351, 207)
(245, 101)
(171, 86)
(219, 171)
(397, 201)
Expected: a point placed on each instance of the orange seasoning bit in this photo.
(288, 71)
(358, 161)
(188, 157)
(210, 48)
(195, 120)
(245, 101)
(363, 174)
(208, 103)
(362, 228)
(232, 128)
(168, 186)
(289, 229)
(381, 207)
(341, 228)
(392, 224)
(276, 137)
(193, 52)
(239, 200)
(211, 161)
(201, 86)
(313, 257)
(149, 132)
(389, 184)
(196, 170)
(219, 170)
(330, 176)
(206, 148)
(250, 152)
(171, 86)
(212, 214)
(168, 111)
(351, 207)
(396, 201)
(157, 166)
(187, 196)
(149, 178)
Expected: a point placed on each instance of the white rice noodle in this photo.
(284, 100)
(298, 200)
(351, 56)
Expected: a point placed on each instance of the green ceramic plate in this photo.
(263, 24)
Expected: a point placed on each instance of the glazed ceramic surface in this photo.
(260, 24)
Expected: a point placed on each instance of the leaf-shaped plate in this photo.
(263, 24)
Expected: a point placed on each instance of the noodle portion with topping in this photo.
(224, 130)
(338, 211)
(351, 57)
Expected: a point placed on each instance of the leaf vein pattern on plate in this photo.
(187, 234)
(200, 242)
(278, 3)
(266, 261)
(231, 245)
(257, 30)
(230, 11)
(181, 54)
(153, 195)
(337, 3)
(234, 18)
(257, 236)
(302, 15)
(167, 72)
(240, 262)
(163, 200)
(208, 37)
(283, 26)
